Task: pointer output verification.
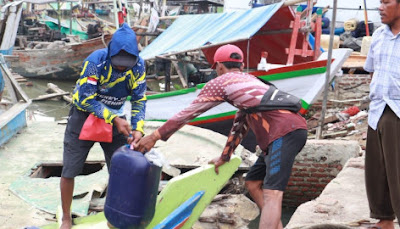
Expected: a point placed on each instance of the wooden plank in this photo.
(50, 96)
(355, 61)
(54, 88)
(314, 123)
(12, 84)
(181, 76)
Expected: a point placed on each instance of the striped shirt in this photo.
(383, 60)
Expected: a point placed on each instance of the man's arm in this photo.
(138, 102)
(238, 131)
(86, 92)
(173, 124)
(183, 117)
(201, 104)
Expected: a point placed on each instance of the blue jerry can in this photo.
(132, 189)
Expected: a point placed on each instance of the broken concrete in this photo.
(329, 151)
(228, 212)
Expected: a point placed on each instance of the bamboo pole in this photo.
(328, 72)
(366, 18)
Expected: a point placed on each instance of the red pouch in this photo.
(96, 129)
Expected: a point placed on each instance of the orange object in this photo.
(351, 110)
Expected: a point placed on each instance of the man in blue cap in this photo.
(108, 77)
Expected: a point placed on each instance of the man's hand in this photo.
(122, 125)
(146, 143)
(135, 137)
(217, 162)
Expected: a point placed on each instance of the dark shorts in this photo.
(275, 167)
(76, 151)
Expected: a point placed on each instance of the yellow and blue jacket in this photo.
(102, 90)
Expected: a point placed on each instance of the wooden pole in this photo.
(164, 8)
(128, 15)
(328, 72)
(366, 18)
(116, 14)
(292, 2)
(70, 20)
(59, 14)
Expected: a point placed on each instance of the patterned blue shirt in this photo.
(384, 61)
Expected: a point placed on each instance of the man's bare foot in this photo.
(382, 224)
(110, 225)
(66, 223)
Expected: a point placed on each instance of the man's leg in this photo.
(376, 168)
(67, 189)
(256, 192)
(254, 181)
(279, 163)
(74, 157)
(272, 210)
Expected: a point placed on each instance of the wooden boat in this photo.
(12, 111)
(77, 29)
(63, 61)
(305, 80)
(103, 10)
(58, 59)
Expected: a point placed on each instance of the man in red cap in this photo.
(281, 134)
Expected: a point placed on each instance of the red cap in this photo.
(223, 54)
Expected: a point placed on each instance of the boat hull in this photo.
(63, 63)
(12, 121)
(306, 81)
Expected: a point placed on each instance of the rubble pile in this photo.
(346, 117)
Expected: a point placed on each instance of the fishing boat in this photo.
(262, 29)
(103, 10)
(13, 101)
(13, 105)
(58, 60)
(51, 60)
(72, 27)
(304, 80)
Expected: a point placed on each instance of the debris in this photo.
(335, 134)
